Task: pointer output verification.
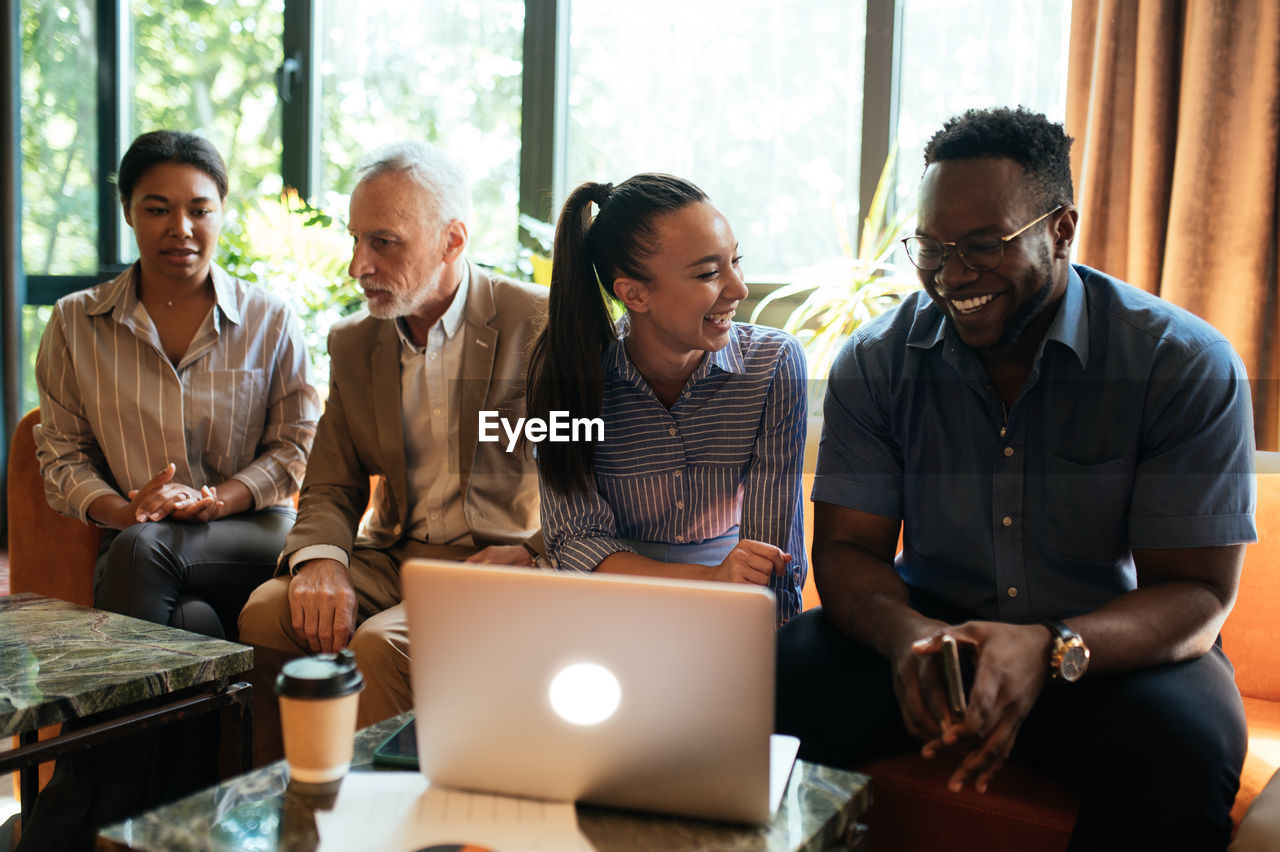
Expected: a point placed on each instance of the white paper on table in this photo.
(401, 812)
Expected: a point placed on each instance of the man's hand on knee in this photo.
(322, 604)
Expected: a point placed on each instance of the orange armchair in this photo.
(1248, 637)
(49, 554)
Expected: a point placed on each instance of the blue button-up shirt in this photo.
(1134, 430)
(728, 452)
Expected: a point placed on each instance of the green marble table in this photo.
(61, 661)
(262, 811)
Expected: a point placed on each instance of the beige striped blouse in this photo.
(114, 410)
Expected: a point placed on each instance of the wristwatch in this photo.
(1068, 655)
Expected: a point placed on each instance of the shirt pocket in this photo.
(1086, 509)
(225, 418)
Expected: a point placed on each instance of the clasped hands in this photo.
(1010, 670)
(163, 498)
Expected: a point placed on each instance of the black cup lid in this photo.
(320, 676)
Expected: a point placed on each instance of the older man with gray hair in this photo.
(441, 341)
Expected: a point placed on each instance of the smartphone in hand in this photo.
(951, 675)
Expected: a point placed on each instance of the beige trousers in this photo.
(381, 638)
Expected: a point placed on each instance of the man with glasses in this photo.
(1070, 461)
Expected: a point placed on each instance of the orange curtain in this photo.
(1175, 109)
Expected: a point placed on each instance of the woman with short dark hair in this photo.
(176, 406)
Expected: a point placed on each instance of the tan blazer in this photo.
(360, 433)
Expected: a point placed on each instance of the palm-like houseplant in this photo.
(846, 292)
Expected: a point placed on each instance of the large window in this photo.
(60, 175)
(389, 71)
(779, 109)
(60, 169)
(759, 102)
(960, 54)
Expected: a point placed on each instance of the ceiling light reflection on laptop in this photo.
(585, 693)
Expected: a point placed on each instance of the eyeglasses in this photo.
(981, 254)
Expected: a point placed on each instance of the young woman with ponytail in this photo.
(698, 474)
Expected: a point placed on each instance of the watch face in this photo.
(1075, 659)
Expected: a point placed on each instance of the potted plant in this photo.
(841, 294)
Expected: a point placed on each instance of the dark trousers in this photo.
(1155, 755)
(191, 576)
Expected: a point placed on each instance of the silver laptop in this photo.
(652, 695)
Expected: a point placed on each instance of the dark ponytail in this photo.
(564, 368)
(565, 372)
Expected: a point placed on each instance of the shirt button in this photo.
(396, 529)
(436, 412)
(1013, 591)
(679, 504)
(1007, 521)
(431, 357)
(435, 516)
(1008, 451)
(679, 539)
(678, 473)
(672, 431)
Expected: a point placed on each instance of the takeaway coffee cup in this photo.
(318, 698)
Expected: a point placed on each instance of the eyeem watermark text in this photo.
(560, 428)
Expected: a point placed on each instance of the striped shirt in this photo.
(727, 453)
(114, 410)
